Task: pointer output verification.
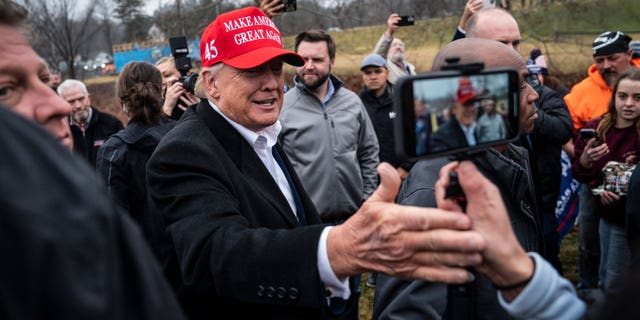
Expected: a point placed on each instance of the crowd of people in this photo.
(238, 200)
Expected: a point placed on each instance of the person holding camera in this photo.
(505, 165)
(616, 139)
(176, 98)
(393, 50)
(122, 159)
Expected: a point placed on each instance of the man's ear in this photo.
(209, 81)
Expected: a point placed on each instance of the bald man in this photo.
(495, 24)
(402, 299)
(552, 129)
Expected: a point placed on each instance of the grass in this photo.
(568, 256)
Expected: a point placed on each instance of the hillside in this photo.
(564, 32)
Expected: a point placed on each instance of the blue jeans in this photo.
(589, 247)
(615, 255)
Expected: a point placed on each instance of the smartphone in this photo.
(289, 5)
(587, 133)
(431, 107)
(406, 21)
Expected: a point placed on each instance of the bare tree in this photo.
(135, 22)
(62, 31)
(104, 8)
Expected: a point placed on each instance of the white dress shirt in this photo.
(262, 142)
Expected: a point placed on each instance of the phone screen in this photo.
(448, 112)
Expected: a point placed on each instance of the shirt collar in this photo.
(270, 133)
(468, 129)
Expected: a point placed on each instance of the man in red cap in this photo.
(459, 131)
(241, 237)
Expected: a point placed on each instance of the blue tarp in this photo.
(152, 54)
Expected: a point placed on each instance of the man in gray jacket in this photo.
(327, 134)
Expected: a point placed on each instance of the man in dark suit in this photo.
(460, 130)
(241, 237)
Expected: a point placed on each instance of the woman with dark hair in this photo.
(122, 159)
(618, 134)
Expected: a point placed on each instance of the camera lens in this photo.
(189, 82)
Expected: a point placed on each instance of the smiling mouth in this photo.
(267, 102)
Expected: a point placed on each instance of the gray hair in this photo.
(69, 84)
(199, 88)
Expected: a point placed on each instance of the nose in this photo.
(531, 94)
(271, 79)
(49, 106)
(309, 64)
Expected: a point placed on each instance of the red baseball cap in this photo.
(244, 39)
(466, 92)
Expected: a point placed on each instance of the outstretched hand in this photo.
(403, 241)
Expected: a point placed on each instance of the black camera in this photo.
(432, 108)
(180, 53)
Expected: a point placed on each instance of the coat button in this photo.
(281, 292)
(260, 291)
(293, 294)
(271, 292)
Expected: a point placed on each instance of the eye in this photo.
(523, 86)
(5, 91)
(8, 94)
(251, 72)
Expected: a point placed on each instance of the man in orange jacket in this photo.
(589, 98)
